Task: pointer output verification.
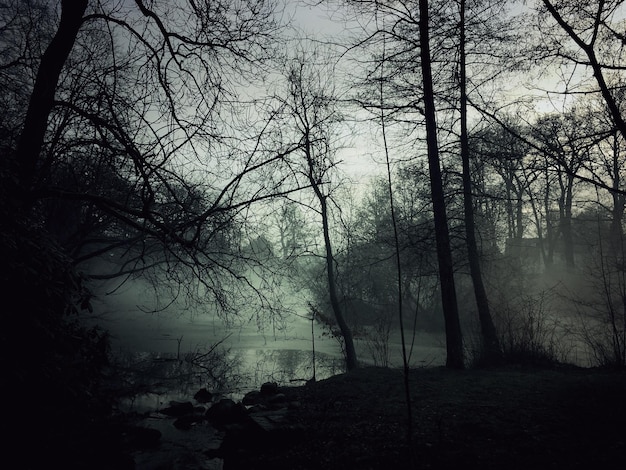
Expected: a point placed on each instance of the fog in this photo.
(269, 350)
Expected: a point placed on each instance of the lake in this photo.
(289, 350)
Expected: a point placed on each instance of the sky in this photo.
(364, 155)
(361, 153)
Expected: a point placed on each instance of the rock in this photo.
(257, 408)
(178, 409)
(224, 412)
(277, 428)
(277, 399)
(251, 398)
(271, 420)
(268, 397)
(269, 388)
(203, 396)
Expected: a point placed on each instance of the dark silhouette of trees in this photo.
(506, 175)
(485, 33)
(399, 30)
(123, 156)
(130, 115)
(602, 166)
(566, 141)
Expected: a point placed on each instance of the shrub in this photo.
(528, 333)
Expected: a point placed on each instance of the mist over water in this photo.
(289, 350)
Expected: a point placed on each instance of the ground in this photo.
(504, 418)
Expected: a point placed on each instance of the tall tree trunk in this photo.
(346, 332)
(491, 353)
(454, 339)
(396, 239)
(42, 97)
(351, 360)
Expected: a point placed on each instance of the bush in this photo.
(527, 333)
(602, 312)
(605, 341)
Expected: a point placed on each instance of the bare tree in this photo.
(41, 101)
(310, 105)
(606, 163)
(566, 141)
(501, 157)
(130, 118)
(403, 32)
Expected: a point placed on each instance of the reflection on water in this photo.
(149, 381)
(285, 366)
(170, 351)
(178, 350)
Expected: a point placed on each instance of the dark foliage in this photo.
(52, 366)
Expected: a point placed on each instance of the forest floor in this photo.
(504, 418)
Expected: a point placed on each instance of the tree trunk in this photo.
(566, 226)
(508, 203)
(454, 339)
(491, 353)
(346, 333)
(617, 212)
(42, 98)
(351, 360)
(519, 214)
(617, 234)
(550, 235)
